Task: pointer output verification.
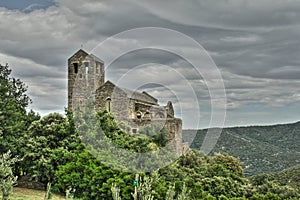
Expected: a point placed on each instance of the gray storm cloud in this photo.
(254, 43)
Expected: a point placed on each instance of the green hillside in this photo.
(261, 149)
(289, 177)
(43, 150)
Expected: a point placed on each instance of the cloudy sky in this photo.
(254, 44)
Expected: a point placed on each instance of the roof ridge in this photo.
(149, 95)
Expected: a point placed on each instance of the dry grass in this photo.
(28, 194)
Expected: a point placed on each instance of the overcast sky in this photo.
(255, 45)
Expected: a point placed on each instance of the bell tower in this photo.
(85, 75)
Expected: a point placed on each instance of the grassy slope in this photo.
(28, 194)
(262, 149)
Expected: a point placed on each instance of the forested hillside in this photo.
(50, 151)
(261, 149)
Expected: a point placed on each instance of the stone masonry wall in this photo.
(83, 84)
(118, 100)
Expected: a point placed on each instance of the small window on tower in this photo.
(75, 67)
(101, 68)
(86, 65)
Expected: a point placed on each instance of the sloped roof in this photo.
(139, 96)
(84, 53)
(79, 52)
(96, 58)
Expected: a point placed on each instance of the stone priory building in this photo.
(86, 80)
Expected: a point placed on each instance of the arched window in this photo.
(138, 115)
(86, 65)
(108, 104)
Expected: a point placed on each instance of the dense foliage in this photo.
(285, 184)
(53, 151)
(14, 120)
(49, 144)
(261, 149)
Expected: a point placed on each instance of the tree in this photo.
(230, 162)
(199, 176)
(50, 141)
(7, 178)
(13, 103)
(270, 184)
(91, 179)
(14, 120)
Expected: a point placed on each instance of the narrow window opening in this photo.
(101, 68)
(86, 64)
(108, 104)
(97, 68)
(75, 67)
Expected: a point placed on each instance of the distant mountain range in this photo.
(261, 149)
